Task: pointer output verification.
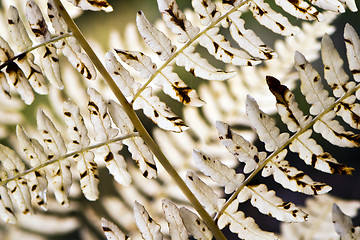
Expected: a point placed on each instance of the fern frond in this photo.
(343, 224)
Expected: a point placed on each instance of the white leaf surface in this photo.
(176, 20)
(4, 86)
(176, 88)
(334, 132)
(48, 56)
(35, 153)
(220, 48)
(22, 41)
(300, 9)
(6, 207)
(101, 122)
(55, 147)
(243, 150)
(206, 10)
(352, 43)
(79, 139)
(291, 178)
(195, 226)
(206, 196)
(287, 106)
(313, 155)
(350, 4)
(111, 231)
(18, 188)
(311, 85)
(17, 30)
(69, 46)
(177, 229)
(218, 172)
(268, 203)
(333, 68)
(149, 229)
(121, 76)
(154, 38)
(244, 227)
(343, 225)
(331, 5)
(158, 112)
(140, 152)
(265, 127)
(93, 5)
(200, 67)
(139, 61)
(271, 19)
(247, 39)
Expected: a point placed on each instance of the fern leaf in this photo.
(6, 207)
(111, 231)
(101, 122)
(291, 178)
(152, 106)
(268, 203)
(242, 149)
(86, 165)
(199, 66)
(18, 188)
(177, 229)
(247, 39)
(271, 19)
(206, 196)
(313, 155)
(351, 5)
(140, 152)
(158, 112)
(352, 43)
(48, 56)
(335, 133)
(331, 5)
(139, 61)
(220, 48)
(311, 85)
(175, 19)
(35, 152)
(15, 74)
(333, 68)
(70, 47)
(287, 107)
(176, 88)
(343, 224)
(149, 229)
(22, 40)
(218, 172)
(4, 86)
(300, 9)
(121, 76)
(93, 5)
(154, 38)
(206, 10)
(264, 126)
(244, 227)
(55, 147)
(194, 225)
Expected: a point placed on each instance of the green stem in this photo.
(138, 125)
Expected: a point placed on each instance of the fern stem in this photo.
(138, 125)
(55, 160)
(277, 151)
(191, 41)
(55, 39)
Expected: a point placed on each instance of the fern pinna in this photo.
(45, 158)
